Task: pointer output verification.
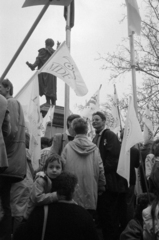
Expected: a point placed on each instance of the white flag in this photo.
(23, 96)
(148, 127)
(29, 99)
(133, 15)
(132, 136)
(63, 66)
(34, 125)
(48, 118)
(115, 124)
(91, 106)
(29, 3)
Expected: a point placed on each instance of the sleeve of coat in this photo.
(38, 194)
(112, 151)
(6, 126)
(101, 180)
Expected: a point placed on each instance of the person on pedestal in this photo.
(47, 81)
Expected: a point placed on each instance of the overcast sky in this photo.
(97, 31)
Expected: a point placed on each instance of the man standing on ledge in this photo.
(47, 81)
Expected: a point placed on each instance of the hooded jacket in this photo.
(83, 159)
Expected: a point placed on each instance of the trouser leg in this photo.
(6, 220)
(108, 210)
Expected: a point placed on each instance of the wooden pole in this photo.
(67, 89)
(25, 40)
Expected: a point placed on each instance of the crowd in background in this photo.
(76, 192)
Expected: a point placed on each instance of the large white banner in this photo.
(62, 65)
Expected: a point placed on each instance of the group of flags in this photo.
(62, 65)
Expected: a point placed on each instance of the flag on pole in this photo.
(91, 106)
(132, 136)
(48, 118)
(134, 19)
(115, 124)
(34, 124)
(28, 96)
(72, 13)
(29, 3)
(61, 65)
(148, 127)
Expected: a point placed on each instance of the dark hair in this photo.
(100, 114)
(71, 118)
(80, 126)
(66, 185)
(52, 158)
(49, 42)
(45, 141)
(142, 203)
(6, 83)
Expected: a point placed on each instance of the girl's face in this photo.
(54, 169)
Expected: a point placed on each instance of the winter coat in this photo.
(59, 142)
(133, 231)
(15, 143)
(109, 148)
(4, 130)
(20, 192)
(40, 194)
(148, 224)
(83, 159)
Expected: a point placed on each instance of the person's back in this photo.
(83, 159)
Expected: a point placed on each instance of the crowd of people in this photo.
(76, 192)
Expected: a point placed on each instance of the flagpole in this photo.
(67, 89)
(132, 59)
(118, 109)
(25, 40)
(135, 98)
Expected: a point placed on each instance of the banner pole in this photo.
(67, 89)
(132, 59)
(25, 41)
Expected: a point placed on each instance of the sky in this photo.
(97, 30)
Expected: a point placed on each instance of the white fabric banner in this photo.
(133, 15)
(91, 106)
(132, 136)
(63, 66)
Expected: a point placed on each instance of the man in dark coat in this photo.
(47, 81)
(109, 202)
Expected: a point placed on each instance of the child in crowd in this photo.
(134, 229)
(151, 213)
(152, 158)
(44, 188)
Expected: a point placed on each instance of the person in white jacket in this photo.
(82, 158)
